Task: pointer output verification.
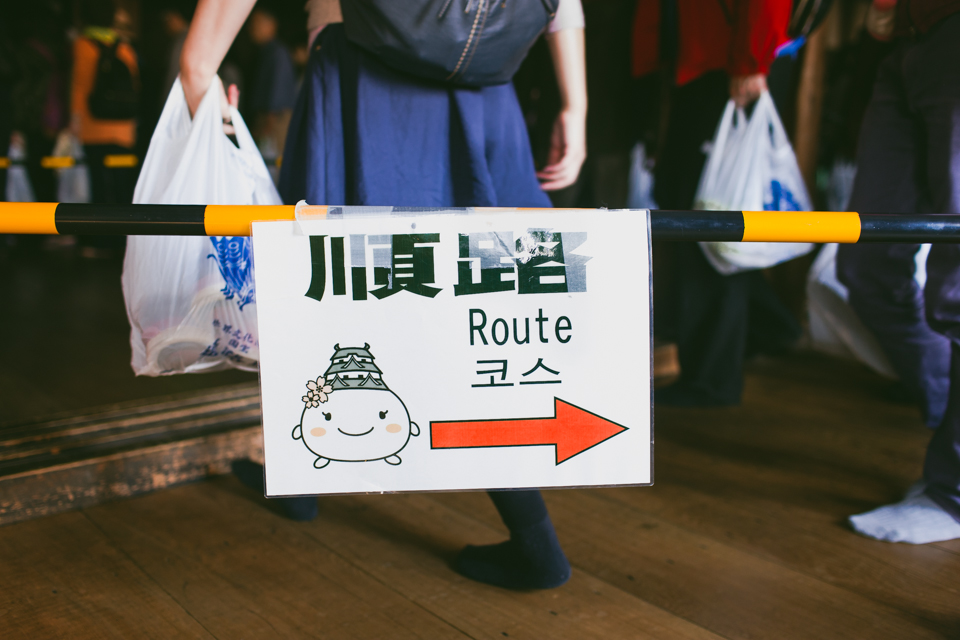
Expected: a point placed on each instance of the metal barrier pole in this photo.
(235, 220)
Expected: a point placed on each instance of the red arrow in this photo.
(571, 430)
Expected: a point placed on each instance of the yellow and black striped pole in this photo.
(137, 219)
(235, 220)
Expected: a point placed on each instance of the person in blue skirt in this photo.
(363, 133)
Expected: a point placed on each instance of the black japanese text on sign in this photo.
(540, 261)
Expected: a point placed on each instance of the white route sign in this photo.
(425, 351)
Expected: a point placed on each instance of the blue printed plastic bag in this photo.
(751, 167)
(191, 300)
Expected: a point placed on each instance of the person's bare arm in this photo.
(568, 143)
(215, 25)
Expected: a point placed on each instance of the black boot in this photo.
(301, 508)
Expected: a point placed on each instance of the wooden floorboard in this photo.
(89, 482)
(62, 578)
(920, 580)
(665, 565)
(408, 541)
(243, 571)
(742, 536)
(82, 459)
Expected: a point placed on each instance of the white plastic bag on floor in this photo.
(752, 167)
(73, 183)
(191, 300)
(834, 327)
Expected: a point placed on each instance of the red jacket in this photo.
(741, 40)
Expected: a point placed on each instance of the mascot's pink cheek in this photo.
(318, 431)
(394, 428)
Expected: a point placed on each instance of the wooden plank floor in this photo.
(741, 537)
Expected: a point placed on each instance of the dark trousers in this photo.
(695, 110)
(886, 297)
(722, 320)
(719, 319)
(909, 161)
(43, 181)
(109, 185)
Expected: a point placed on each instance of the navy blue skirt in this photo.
(364, 134)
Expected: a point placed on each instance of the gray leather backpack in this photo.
(465, 42)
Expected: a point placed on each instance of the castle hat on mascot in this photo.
(354, 368)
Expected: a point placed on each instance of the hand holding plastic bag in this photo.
(751, 168)
(191, 300)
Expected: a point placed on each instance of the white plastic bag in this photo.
(73, 183)
(190, 300)
(752, 167)
(18, 188)
(834, 326)
(840, 185)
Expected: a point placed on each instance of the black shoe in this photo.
(530, 559)
(300, 508)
